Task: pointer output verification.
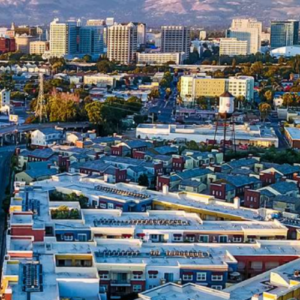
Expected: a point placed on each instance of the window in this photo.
(217, 287)
(68, 237)
(190, 238)
(152, 276)
(256, 265)
(201, 276)
(102, 205)
(110, 205)
(103, 276)
(151, 286)
(177, 237)
(237, 239)
(137, 276)
(82, 237)
(136, 288)
(203, 239)
(223, 239)
(187, 277)
(154, 237)
(216, 277)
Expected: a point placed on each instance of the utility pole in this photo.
(40, 110)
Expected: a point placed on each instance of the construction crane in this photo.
(40, 110)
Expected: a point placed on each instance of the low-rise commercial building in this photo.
(233, 47)
(38, 47)
(244, 134)
(159, 58)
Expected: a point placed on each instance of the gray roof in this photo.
(164, 150)
(238, 181)
(50, 131)
(193, 173)
(284, 187)
(287, 199)
(41, 153)
(40, 172)
(286, 169)
(243, 162)
(190, 182)
(137, 144)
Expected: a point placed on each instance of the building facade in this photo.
(175, 39)
(122, 43)
(233, 46)
(248, 30)
(159, 58)
(284, 33)
(38, 47)
(193, 87)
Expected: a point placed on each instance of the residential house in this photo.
(43, 138)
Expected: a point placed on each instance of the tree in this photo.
(105, 66)
(264, 109)
(257, 68)
(94, 112)
(143, 180)
(87, 58)
(154, 94)
(269, 96)
(192, 145)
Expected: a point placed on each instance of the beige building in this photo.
(23, 43)
(63, 38)
(38, 47)
(102, 80)
(232, 47)
(193, 87)
(122, 43)
(159, 58)
(249, 30)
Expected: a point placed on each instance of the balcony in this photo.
(120, 282)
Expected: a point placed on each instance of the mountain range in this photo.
(203, 13)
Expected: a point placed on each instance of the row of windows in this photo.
(200, 276)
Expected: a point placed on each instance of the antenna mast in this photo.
(40, 110)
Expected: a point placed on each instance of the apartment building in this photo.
(122, 43)
(63, 38)
(195, 86)
(175, 39)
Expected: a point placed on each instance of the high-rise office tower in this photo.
(247, 30)
(91, 40)
(122, 42)
(175, 39)
(284, 33)
(63, 38)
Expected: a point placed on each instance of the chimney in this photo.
(165, 189)
(237, 202)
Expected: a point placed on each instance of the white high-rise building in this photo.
(141, 34)
(232, 47)
(122, 43)
(249, 30)
(175, 39)
(63, 38)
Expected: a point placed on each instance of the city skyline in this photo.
(167, 12)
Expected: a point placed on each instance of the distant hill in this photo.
(154, 12)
